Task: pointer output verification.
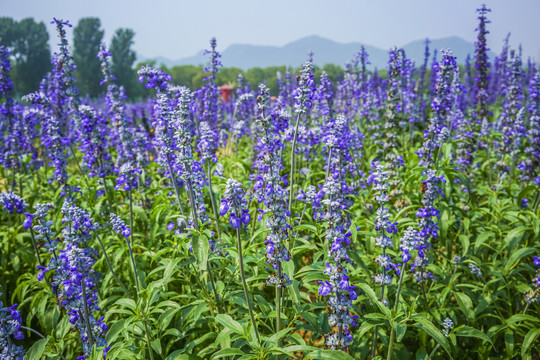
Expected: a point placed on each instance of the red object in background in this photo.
(226, 92)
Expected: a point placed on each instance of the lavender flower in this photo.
(10, 325)
(235, 203)
(475, 270)
(269, 186)
(437, 132)
(118, 226)
(128, 178)
(428, 228)
(338, 287)
(448, 325)
(12, 202)
(482, 65)
(116, 110)
(383, 224)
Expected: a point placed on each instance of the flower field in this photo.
(388, 215)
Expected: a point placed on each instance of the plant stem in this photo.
(109, 263)
(244, 284)
(278, 300)
(293, 155)
(78, 165)
(392, 333)
(433, 352)
(148, 339)
(175, 185)
(216, 214)
(35, 246)
(86, 312)
(131, 216)
(196, 223)
(134, 268)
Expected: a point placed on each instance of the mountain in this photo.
(325, 51)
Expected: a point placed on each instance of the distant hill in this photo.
(325, 51)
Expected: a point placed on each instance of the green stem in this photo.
(131, 216)
(244, 284)
(35, 246)
(175, 185)
(86, 312)
(392, 333)
(148, 339)
(293, 155)
(109, 263)
(78, 165)
(196, 223)
(134, 268)
(278, 300)
(433, 352)
(212, 199)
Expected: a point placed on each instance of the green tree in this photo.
(32, 54)
(8, 31)
(123, 58)
(87, 37)
(184, 74)
(29, 47)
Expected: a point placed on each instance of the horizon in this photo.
(165, 22)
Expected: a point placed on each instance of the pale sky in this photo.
(176, 28)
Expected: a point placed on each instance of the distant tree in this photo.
(228, 75)
(87, 37)
(8, 31)
(185, 74)
(255, 76)
(29, 47)
(32, 55)
(123, 58)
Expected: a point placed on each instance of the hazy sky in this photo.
(177, 28)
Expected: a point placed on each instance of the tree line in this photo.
(28, 42)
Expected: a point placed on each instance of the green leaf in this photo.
(36, 351)
(467, 331)
(528, 341)
(371, 295)
(114, 330)
(129, 303)
(200, 249)
(401, 329)
(522, 317)
(465, 304)
(329, 354)
(177, 355)
(430, 329)
(482, 239)
(229, 323)
(227, 352)
(516, 256)
(156, 345)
